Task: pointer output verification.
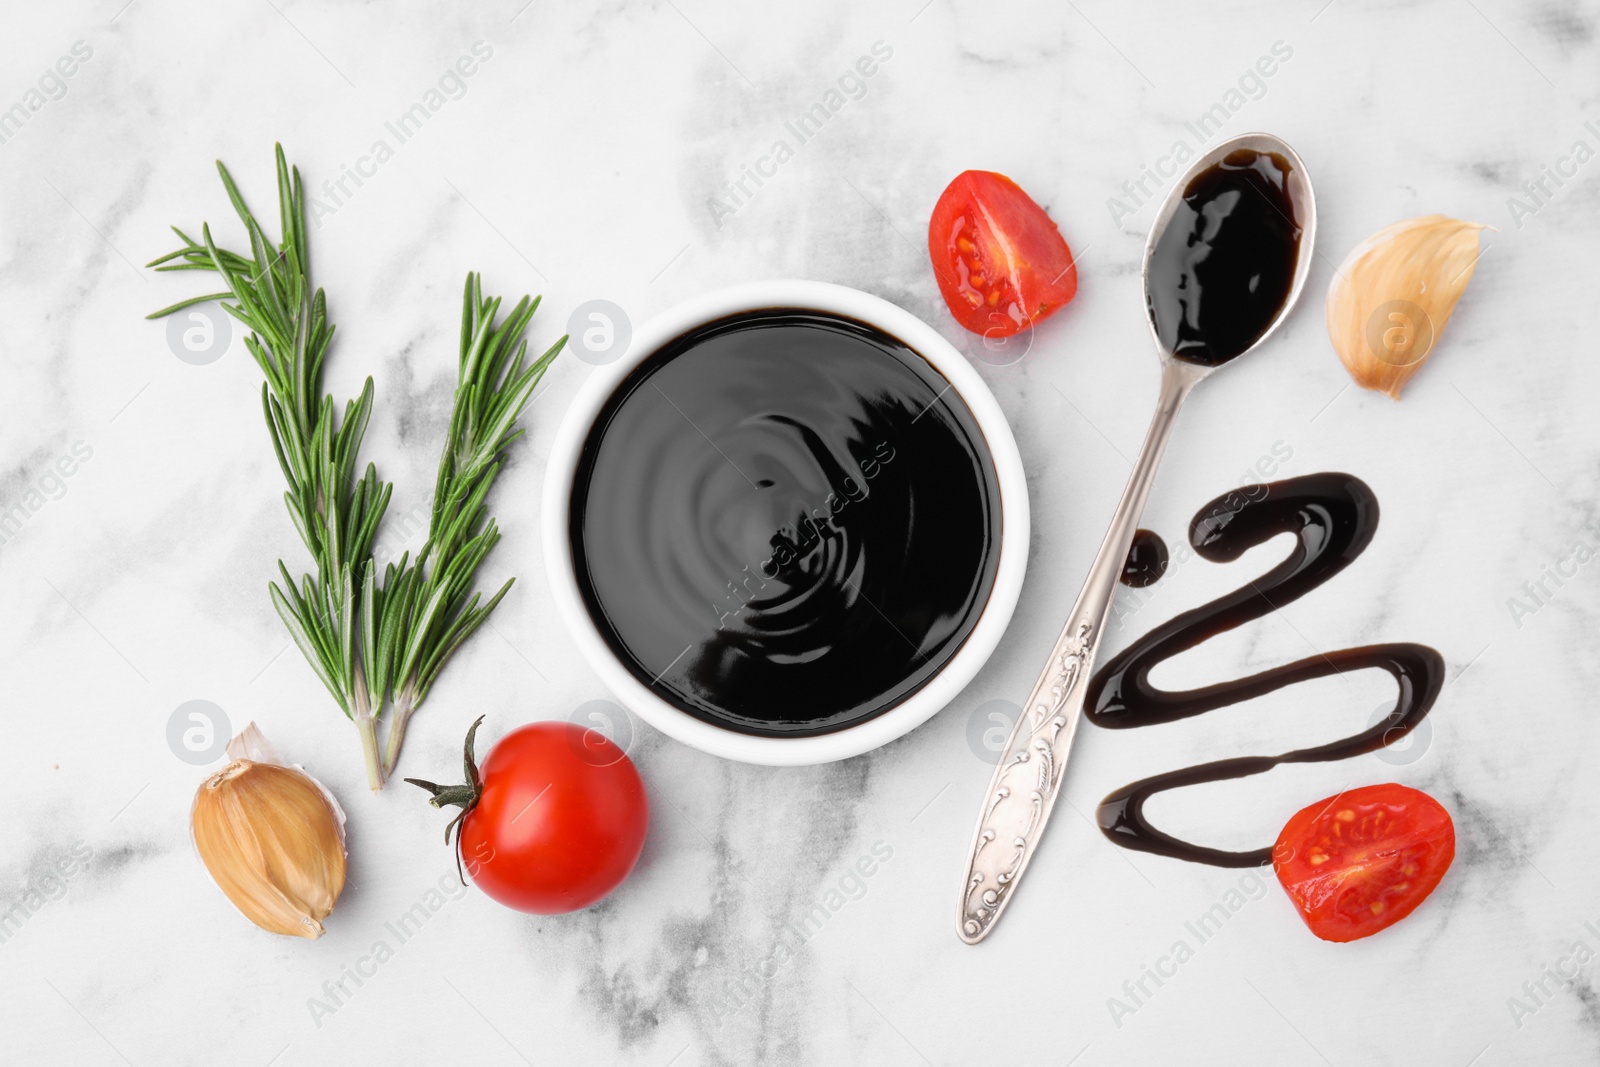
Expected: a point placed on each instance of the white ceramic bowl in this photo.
(957, 671)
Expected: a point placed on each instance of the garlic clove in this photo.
(1394, 294)
(251, 744)
(273, 841)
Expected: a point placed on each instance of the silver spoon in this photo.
(1033, 764)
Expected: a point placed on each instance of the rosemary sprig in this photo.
(368, 640)
(428, 614)
(336, 514)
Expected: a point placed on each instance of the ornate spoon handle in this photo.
(1033, 764)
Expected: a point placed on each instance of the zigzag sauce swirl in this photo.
(1333, 517)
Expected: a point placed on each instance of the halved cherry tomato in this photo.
(1363, 860)
(1001, 263)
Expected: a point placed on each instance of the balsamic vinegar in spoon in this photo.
(1223, 268)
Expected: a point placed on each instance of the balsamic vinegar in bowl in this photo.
(784, 522)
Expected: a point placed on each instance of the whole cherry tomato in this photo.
(554, 820)
(1001, 264)
(1363, 860)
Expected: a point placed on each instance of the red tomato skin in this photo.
(561, 821)
(1361, 861)
(1001, 263)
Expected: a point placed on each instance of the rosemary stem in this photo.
(367, 727)
(399, 717)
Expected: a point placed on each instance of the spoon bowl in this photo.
(1303, 203)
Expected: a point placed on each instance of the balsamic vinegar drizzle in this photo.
(1333, 517)
(1147, 560)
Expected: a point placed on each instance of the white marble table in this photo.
(585, 158)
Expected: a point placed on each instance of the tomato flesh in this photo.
(560, 822)
(1001, 264)
(1363, 860)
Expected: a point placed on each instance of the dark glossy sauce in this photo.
(1147, 559)
(785, 522)
(1333, 518)
(1223, 266)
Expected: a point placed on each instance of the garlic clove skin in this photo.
(1393, 295)
(251, 744)
(274, 844)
